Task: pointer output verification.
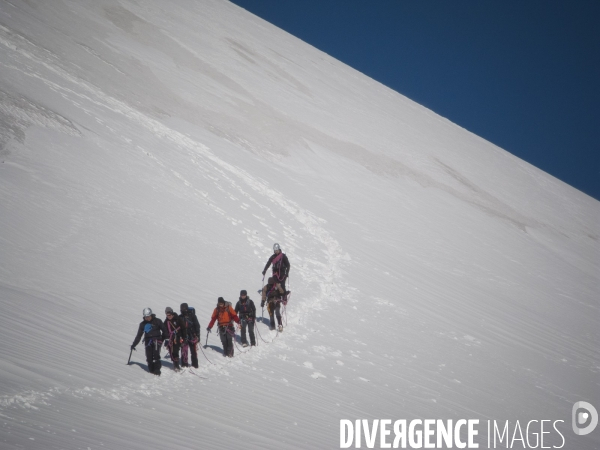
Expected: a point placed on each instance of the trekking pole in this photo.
(129, 360)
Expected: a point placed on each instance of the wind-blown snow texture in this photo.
(152, 152)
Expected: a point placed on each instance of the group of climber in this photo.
(181, 332)
(177, 332)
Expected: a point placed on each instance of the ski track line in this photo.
(310, 222)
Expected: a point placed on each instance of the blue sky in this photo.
(524, 75)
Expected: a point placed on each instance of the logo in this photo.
(585, 418)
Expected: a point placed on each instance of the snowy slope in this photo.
(152, 152)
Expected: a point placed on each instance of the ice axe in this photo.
(129, 360)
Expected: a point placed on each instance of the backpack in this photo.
(228, 308)
(273, 292)
(189, 320)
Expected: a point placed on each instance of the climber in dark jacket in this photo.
(246, 311)
(272, 295)
(192, 326)
(175, 326)
(154, 333)
(281, 267)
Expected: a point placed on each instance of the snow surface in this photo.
(152, 152)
